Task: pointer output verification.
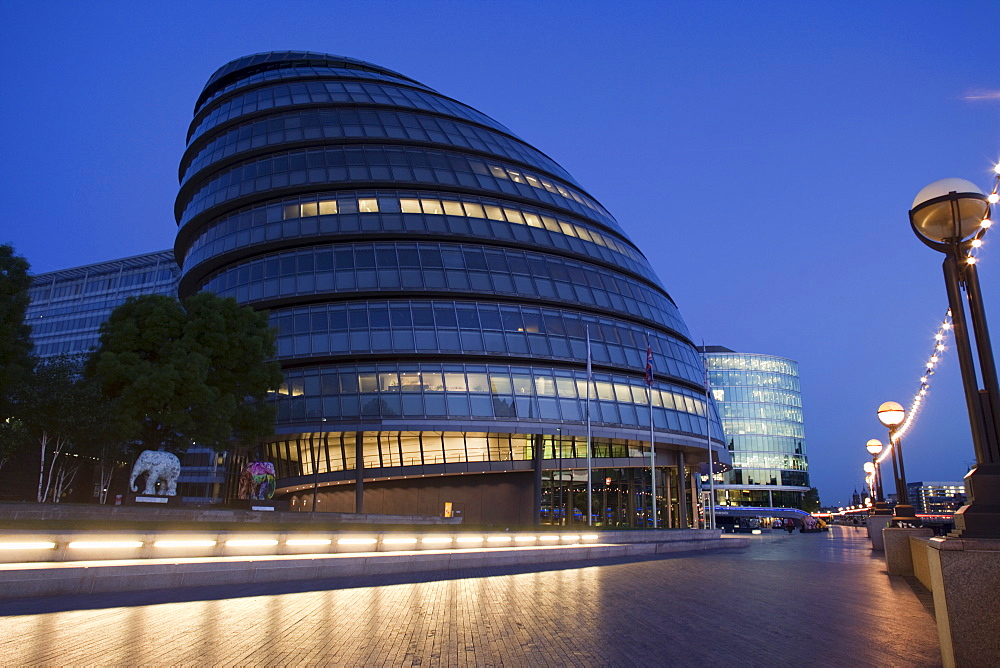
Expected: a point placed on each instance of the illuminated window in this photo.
(368, 205)
(455, 382)
(410, 205)
(473, 210)
(310, 209)
(453, 208)
(605, 391)
(432, 206)
(328, 207)
(500, 384)
(545, 386)
(514, 216)
(532, 220)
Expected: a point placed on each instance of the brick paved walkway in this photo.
(801, 599)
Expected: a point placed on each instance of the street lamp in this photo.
(891, 415)
(874, 447)
(869, 468)
(951, 216)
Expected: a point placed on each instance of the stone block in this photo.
(921, 567)
(896, 541)
(965, 578)
(875, 525)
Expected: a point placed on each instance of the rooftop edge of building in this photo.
(258, 62)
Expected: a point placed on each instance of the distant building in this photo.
(936, 498)
(68, 306)
(760, 403)
(65, 314)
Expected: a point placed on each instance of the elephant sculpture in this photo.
(257, 481)
(161, 466)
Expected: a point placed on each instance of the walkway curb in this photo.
(89, 577)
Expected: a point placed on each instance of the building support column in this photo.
(668, 498)
(359, 471)
(536, 454)
(681, 493)
(694, 498)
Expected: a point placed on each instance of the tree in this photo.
(55, 408)
(810, 500)
(14, 437)
(100, 436)
(183, 373)
(15, 347)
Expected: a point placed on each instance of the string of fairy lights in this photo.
(941, 336)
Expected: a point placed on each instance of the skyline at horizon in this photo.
(767, 141)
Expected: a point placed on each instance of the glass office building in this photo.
(433, 279)
(67, 307)
(760, 403)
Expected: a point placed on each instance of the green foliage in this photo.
(52, 403)
(14, 437)
(810, 500)
(15, 335)
(192, 372)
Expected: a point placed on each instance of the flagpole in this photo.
(590, 487)
(652, 439)
(710, 511)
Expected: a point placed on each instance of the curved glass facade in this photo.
(434, 280)
(760, 403)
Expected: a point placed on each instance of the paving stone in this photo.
(800, 599)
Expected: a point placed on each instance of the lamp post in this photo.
(891, 415)
(951, 216)
(869, 468)
(880, 507)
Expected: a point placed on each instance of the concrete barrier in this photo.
(921, 566)
(965, 580)
(898, 560)
(875, 525)
(116, 544)
(60, 512)
(30, 579)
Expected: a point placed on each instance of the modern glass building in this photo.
(67, 307)
(65, 314)
(433, 279)
(760, 402)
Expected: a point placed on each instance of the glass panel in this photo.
(367, 382)
(473, 210)
(432, 206)
(500, 383)
(454, 448)
(455, 382)
(478, 382)
(410, 205)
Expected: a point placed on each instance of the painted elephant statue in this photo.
(257, 481)
(161, 466)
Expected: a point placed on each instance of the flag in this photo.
(649, 364)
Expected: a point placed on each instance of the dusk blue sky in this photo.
(763, 156)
